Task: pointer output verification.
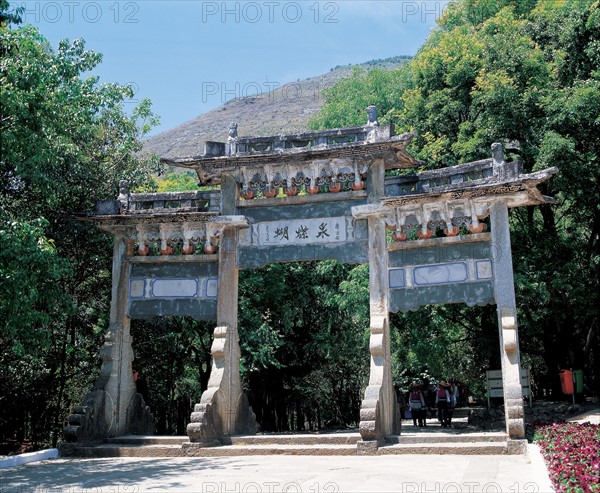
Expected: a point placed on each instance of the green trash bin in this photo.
(578, 379)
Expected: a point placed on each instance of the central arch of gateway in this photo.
(310, 196)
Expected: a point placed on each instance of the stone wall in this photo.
(492, 419)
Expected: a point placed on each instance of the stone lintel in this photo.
(304, 199)
(173, 259)
(433, 242)
(123, 223)
(230, 221)
(370, 211)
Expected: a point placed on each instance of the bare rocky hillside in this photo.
(287, 109)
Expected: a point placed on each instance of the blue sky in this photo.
(191, 56)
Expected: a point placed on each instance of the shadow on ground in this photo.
(105, 475)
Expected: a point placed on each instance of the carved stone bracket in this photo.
(192, 236)
(426, 219)
(113, 407)
(378, 415)
(509, 330)
(206, 423)
(268, 178)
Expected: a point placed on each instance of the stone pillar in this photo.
(223, 408)
(504, 293)
(114, 407)
(379, 410)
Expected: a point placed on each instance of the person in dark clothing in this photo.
(417, 406)
(451, 404)
(442, 400)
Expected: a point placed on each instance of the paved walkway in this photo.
(407, 474)
(591, 416)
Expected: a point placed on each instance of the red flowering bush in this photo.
(572, 454)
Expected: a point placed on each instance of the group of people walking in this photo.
(442, 397)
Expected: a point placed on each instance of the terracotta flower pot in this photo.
(291, 191)
(399, 236)
(476, 229)
(187, 251)
(247, 194)
(335, 188)
(269, 193)
(451, 232)
(167, 251)
(358, 186)
(143, 251)
(209, 248)
(312, 190)
(425, 236)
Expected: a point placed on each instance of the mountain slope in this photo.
(285, 110)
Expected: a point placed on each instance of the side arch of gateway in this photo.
(310, 196)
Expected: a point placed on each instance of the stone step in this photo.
(430, 440)
(148, 440)
(294, 439)
(270, 449)
(444, 448)
(435, 435)
(119, 450)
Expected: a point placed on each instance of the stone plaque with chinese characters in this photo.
(312, 232)
(303, 231)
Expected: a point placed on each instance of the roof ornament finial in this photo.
(497, 153)
(232, 139)
(372, 116)
(497, 158)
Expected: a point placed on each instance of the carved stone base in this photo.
(139, 416)
(205, 423)
(367, 447)
(517, 447)
(372, 426)
(211, 420)
(369, 415)
(379, 409)
(194, 449)
(93, 420)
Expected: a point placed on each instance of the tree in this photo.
(66, 142)
(348, 99)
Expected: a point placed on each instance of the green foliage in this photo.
(63, 136)
(30, 297)
(174, 181)
(304, 337)
(172, 383)
(9, 15)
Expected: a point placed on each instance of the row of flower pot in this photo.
(401, 234)
(271, 191)
(207, 248)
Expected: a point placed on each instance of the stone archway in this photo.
(335, 202)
